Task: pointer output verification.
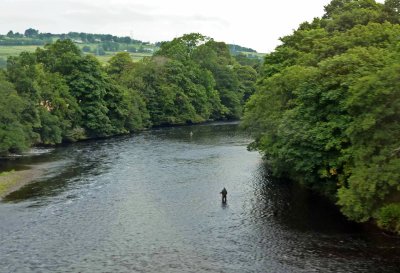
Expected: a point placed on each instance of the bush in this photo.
(75, 134)
(388, 217)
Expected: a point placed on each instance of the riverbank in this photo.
(13, 180)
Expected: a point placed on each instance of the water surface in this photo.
(150, 203)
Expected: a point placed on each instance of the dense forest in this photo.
(327, 108)
(58, 94)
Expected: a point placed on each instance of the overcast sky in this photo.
(252, 23)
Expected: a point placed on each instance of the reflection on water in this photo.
(151, 203)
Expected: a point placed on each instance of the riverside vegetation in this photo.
(325, 111)
(58, 94)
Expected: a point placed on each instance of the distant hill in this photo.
(95, 43)
(104, 46)
(240, 49)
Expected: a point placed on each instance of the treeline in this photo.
(34, 37)
(57, 94)
(237, 49)
(327, 108)
(103, 42)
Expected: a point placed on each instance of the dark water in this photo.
(150, 203)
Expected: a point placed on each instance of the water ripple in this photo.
(151, 203)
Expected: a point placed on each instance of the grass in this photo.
(6, 173)
(259, 55)
(135, 56)
(7, 180)
(7, 51)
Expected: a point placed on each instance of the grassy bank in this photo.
(13, 180)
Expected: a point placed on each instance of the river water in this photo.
(150, 203)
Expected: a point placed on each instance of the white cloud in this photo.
(252, 23)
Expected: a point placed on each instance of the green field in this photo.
(7, 51)
(254, 54)
(135, 56)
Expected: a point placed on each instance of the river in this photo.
(150, 203)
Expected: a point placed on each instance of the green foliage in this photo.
(181, 48)
(216, 58)
(118, 63)
(190, 79)
(34, 37)
(22, 71)
(14, 136)
(243, 59)
(63, 95)
(235, 49)
(326, 108)
(388, 217)
(57, 106)
(30, 32)
(171, 96)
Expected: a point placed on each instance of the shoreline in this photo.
(14, 180)
(11, 181)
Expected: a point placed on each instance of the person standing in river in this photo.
(224, 193)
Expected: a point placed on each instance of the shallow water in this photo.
(151, 203)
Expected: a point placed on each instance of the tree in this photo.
(247, 77)
(392, 8)
(14, 136)
(21, 71)
(181, 48)
(30, 33)
(326, 106)
(119, 63)
(58, 109)
(215, 57)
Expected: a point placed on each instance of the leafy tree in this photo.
(181, 48)
(247, 77)
(59, 110)
(326, 107)
(242, 59)
(14, 136)
(87, 84)
(118, 63)
(215, 57)
(179, 85)
(392, 8)
(30, 32)
(21, 71)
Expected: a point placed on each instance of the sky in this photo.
(257, 24)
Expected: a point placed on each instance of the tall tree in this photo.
(325, 109)
(14, 136)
